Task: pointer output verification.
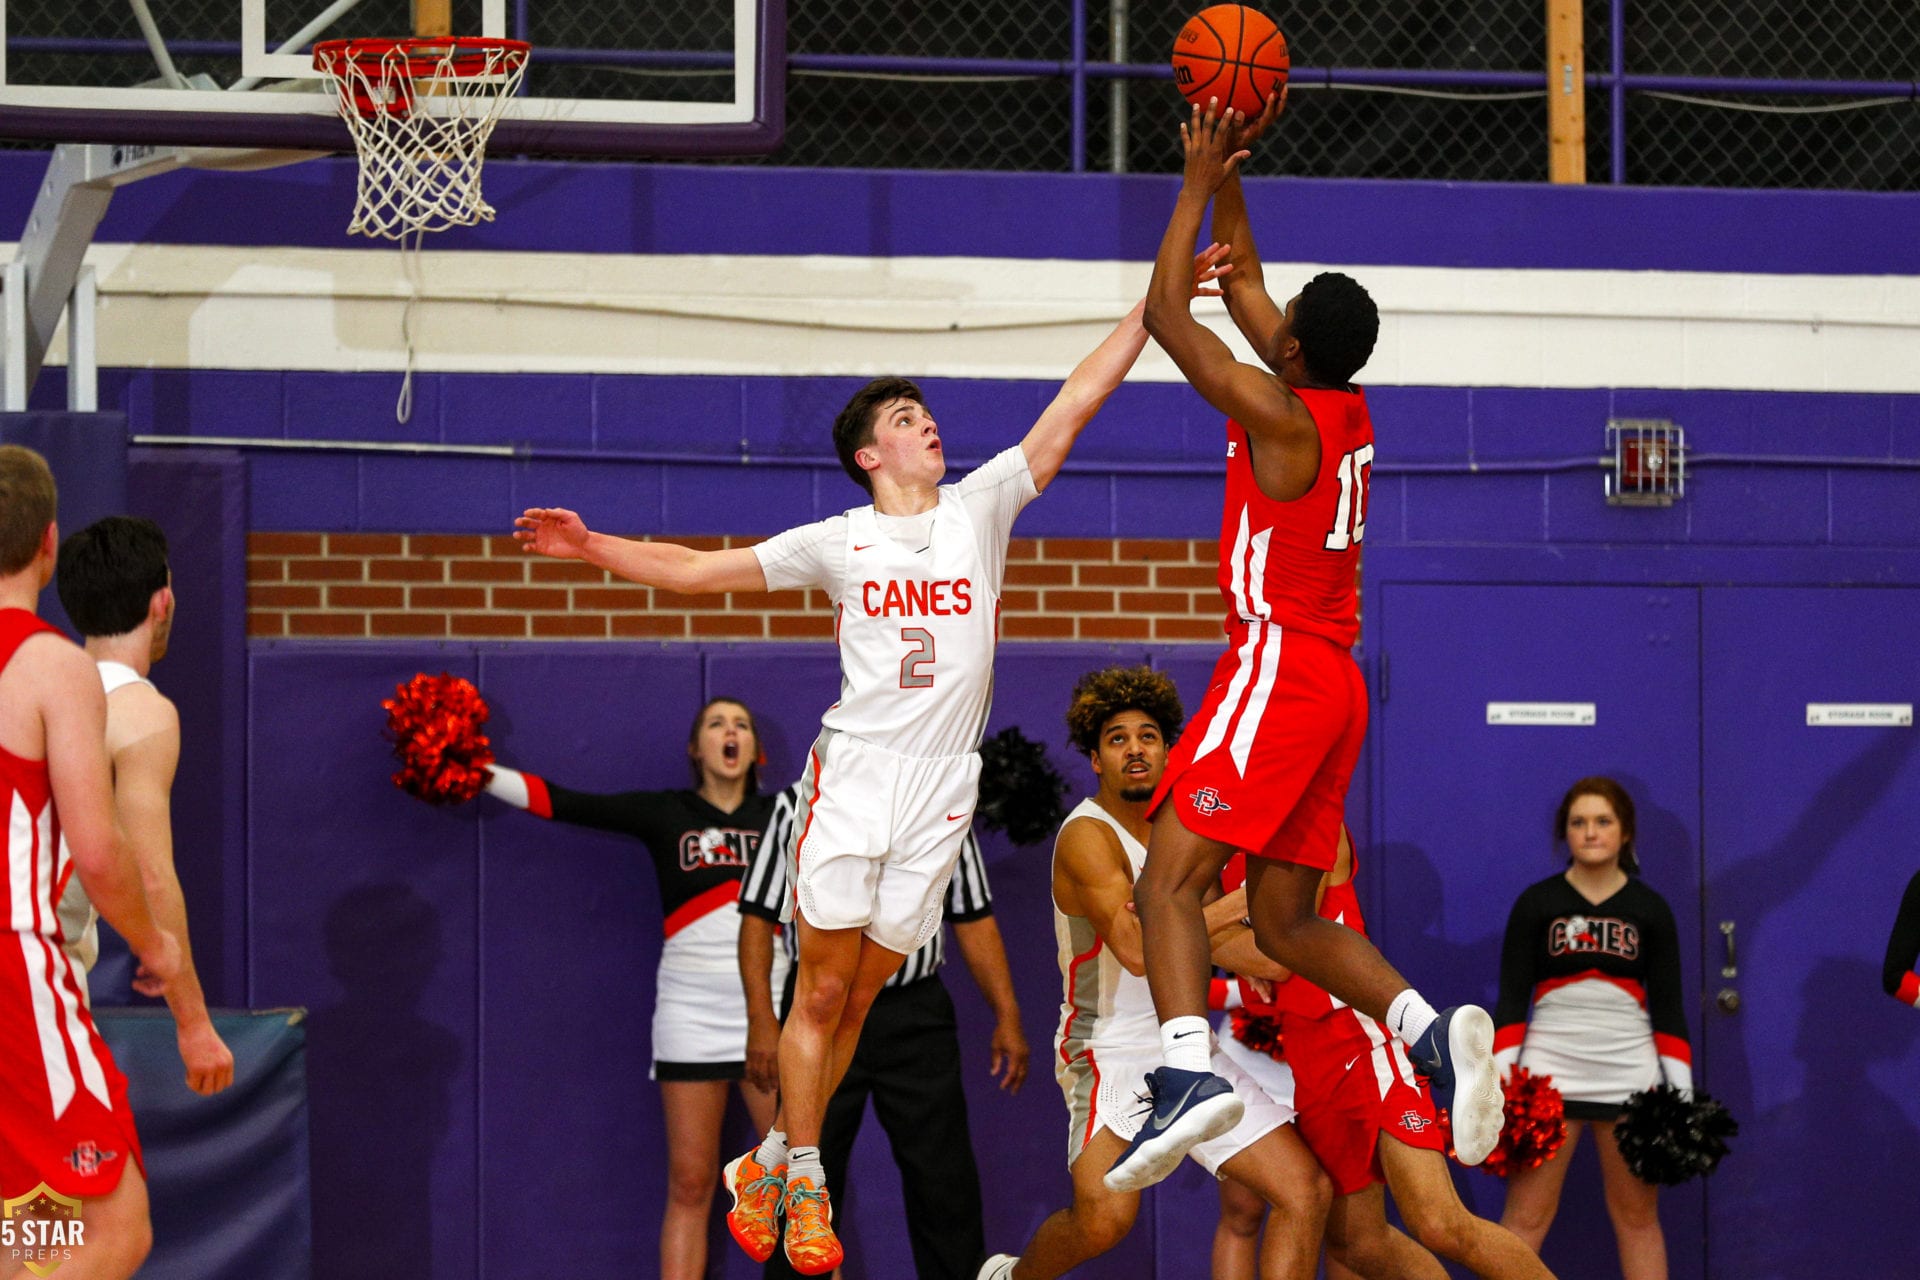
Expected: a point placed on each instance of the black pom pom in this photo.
(1667, 1138)
(1019, 791)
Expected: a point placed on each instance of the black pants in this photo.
(908, 1062)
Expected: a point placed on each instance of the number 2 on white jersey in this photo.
(1350, 518)
(920, 656)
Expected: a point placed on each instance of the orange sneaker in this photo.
(754, 1219)
(812, 1247)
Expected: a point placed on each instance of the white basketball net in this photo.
(420, 119)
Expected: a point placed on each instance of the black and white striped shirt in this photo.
(764, 890)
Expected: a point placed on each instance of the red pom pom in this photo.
(1536, 1125)
(1257, 1032)
(434, 722)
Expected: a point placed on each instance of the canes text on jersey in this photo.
(917, 598)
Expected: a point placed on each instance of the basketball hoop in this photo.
(420, 112)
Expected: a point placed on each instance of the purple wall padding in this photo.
(200, 502)
(551, 206)
(87, 453)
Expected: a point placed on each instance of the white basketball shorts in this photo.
(879, 837)
(1106, 1088)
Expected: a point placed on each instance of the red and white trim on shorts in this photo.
(1236, 720)
(61, 1025)
(813, 807)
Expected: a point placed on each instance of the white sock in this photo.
(804, 1162)
(1187, 1043)
(773, 1150)
(1409, 1016)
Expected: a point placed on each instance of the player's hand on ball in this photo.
(1208, 140)
(209, 1061)
(1248, 129)
(552, 531)
(1209, 265)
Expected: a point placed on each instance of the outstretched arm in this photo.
(1051, 438)
(563, 535)
(1253, 309)
(1094, 378)
(142, 791)
(1255, 398)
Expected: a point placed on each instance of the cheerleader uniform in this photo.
(699, 854)
(1603, 981)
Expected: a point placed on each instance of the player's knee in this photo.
(1103, 1226)
(1442, 1228)
(1242, 1215)
(822, 1000)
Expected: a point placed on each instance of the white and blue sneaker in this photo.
(998, 1267)
(1456, 1056)
(1188, 1108)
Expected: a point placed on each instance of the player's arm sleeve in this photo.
(799, 558)
(968, 897)
(1666, 998)
(764, 886)
(1898, 974)
(1517, 959)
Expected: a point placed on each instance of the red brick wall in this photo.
(380, 585)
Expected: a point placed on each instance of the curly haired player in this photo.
(1125, 719)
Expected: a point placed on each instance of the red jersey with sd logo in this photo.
(1296, 563)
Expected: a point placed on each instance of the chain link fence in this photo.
(989, 84)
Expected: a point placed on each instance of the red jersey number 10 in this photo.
(1350, 518)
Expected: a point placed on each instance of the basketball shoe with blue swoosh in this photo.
(1456, 1056)
(1189, 1107)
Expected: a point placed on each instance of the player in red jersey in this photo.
(1373, 1128)
(1264, 765)
(64, 1123)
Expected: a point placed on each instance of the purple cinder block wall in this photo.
(481, 982)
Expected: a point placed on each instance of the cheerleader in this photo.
(1594, 953)
(700, 841)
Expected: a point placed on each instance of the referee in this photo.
(908, 1058)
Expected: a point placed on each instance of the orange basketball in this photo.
(1232, 53)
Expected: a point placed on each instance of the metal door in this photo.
(1810, 837)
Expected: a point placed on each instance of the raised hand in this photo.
(1209, 265)
(552, 531)
(1208, 142)
(1249, 129)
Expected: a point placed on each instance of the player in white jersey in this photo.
(915, 578)
(1109, 1036)
(118, 592)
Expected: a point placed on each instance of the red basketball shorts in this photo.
(1352, 1083)
(64, 1118)
(1264, 764)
